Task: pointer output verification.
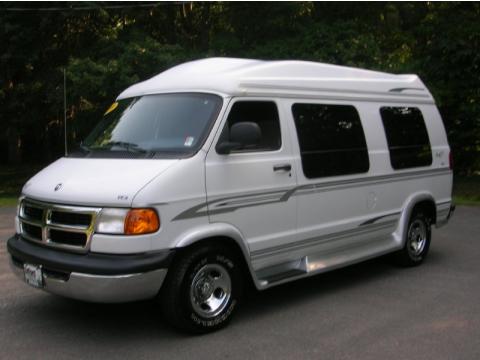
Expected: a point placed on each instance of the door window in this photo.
(263, 113)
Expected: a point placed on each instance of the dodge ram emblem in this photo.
(58, 187)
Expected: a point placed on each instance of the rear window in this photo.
(407, 137)
(331, 140)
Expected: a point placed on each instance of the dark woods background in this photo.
(106, 47)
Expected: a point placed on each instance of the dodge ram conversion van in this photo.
(223, 171)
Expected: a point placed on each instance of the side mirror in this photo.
(242, 134)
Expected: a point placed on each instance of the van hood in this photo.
(94, 182)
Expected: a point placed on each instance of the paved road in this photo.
(369, 311)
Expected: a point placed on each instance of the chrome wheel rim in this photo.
(417, 237)
(210, 290)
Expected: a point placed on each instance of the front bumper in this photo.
(93, 277)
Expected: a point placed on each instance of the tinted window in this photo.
(265, 114)
(331, 140)
(407, 137)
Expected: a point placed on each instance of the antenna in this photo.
(65, 108)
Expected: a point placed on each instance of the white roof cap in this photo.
(231, 76)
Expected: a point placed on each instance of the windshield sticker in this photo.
(188, 141)
(111, 108)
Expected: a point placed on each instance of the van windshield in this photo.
(154, 125)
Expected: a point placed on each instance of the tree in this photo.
(106, 47)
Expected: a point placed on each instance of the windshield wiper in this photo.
(126, 145)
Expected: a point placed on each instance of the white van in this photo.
(223, 172)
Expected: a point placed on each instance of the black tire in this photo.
(412, 253)
(177, 303)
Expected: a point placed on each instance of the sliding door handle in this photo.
(282, 167)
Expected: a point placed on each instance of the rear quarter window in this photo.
(407, 137)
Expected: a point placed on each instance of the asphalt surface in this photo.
(372, 310)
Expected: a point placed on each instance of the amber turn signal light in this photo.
(141, 221)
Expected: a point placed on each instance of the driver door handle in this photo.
(282, 167)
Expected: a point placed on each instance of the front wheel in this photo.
(417, 242)
(203, 289)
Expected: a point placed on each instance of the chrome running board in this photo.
(324, 261)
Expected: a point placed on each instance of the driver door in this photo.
(250, 188)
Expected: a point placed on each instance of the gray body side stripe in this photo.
(230, 204)
(321, 239)
(372, 180)
(224, 202)
(375, 219)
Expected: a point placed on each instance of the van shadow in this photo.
(297, 292)
(337, 281)
(109, 321)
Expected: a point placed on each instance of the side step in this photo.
(324, 261)
(283, 271)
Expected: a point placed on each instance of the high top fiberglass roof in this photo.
(285, 78)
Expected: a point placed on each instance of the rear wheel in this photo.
(417, 242)
(202, 289)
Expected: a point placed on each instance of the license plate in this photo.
(33, 275)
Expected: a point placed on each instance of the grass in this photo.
(8, 201)
(466, 190)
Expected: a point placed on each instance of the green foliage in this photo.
(105, 50)
(95, 82)
(13, 178)
(449, 60)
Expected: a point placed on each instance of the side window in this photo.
(407, 137)
(331, 140)
(265, 114)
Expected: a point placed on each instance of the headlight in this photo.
(111, 221)
(127, 221)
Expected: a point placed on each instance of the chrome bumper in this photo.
(101, 288)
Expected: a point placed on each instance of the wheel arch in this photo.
(222, 234)
(419, 200)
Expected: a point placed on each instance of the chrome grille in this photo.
(60, 226)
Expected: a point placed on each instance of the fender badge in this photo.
(58, 187)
